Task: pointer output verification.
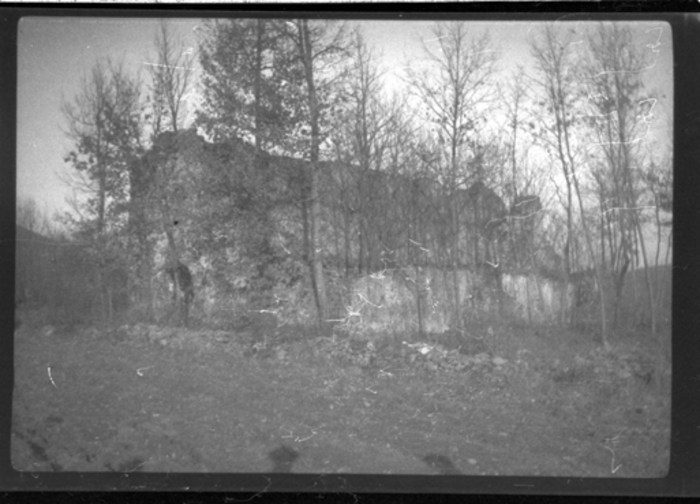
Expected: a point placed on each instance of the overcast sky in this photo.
(55, 53)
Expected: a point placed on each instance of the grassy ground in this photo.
(536, 401)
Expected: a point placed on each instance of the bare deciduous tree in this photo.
(105, 125)
(618, 121)
(454, 90)
(554, 56)
(171, 76)
(321, 49)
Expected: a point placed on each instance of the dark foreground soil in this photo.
(149, 399)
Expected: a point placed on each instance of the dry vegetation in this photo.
(502, 398)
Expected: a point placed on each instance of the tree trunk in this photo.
(346, 240)
(457, 313)
(647, 277)
(315, 245)
(596, 264)
(317, 264)
(361, 247)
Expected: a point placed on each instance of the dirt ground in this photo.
(147, 399)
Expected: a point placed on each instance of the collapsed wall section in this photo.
(429, 300)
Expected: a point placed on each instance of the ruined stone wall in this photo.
(408, 299)
(538, 300)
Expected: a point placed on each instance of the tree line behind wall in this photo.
(63, 279)
(309, 163)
